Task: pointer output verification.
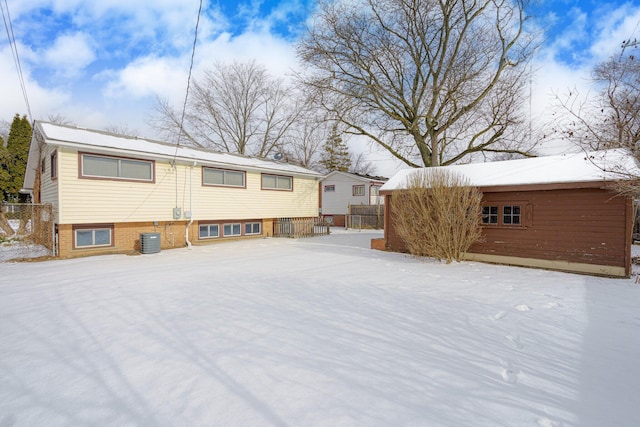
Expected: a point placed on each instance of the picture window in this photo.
(94, 166)
(277, 182)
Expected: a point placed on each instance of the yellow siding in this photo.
(95, 201)
(49, 187)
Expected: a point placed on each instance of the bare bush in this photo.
(437, 215)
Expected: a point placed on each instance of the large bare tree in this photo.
(608, 117)
(431, 81)
(236, 107)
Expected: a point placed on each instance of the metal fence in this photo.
(299, 227)
(26, 231)
(365, 217)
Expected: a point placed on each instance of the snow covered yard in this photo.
(313, 332)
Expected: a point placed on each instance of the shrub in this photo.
(438, 215)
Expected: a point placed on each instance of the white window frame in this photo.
(93, 237)
(232, 229)
(252, 226)
(360, 190)
(209, 236)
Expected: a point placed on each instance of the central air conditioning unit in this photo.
(149, 243)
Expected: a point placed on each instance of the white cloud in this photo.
(273, 52)
(70, 54)
(41, 100)
(149, 76)
(620, 25)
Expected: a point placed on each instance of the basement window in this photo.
(208, 231)
(252, 228)
(231, 230)
(92, 236)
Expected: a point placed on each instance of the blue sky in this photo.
(102, 63)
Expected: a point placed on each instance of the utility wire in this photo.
(14, 51)
(186, 95)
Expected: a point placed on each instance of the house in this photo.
(556, 212)
(109, 189)
(339, 189)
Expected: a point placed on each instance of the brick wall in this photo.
(126, 237)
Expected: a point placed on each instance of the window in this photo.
(54, 165)
(252, 228)
(329, 188)
(223, 177)
(94, 166)
(375, 190)
(489, 214)
(208, 231)
(504, 215)
(511, 215)
(277, 182)
(358, 190)
(231, 230)
(88, 236)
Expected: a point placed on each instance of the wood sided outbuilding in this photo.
(557, 212)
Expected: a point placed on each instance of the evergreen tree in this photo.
(335, 155)
(13, 160)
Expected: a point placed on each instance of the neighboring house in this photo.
(107, 189)
(338, 190)
(556, 212)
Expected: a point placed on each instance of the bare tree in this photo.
(59, 119)
(361, 165)
(121, 130)
(610, 116)
(430, 81)
(236, 108)
(302, 144)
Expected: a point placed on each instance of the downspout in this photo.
(190, 206)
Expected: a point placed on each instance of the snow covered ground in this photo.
(313, 332)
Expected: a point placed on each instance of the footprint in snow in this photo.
(509, 376)
(508, 373)
(515, 341)
(523, 307)
(553, 305)
(546, 422)
(500, 315)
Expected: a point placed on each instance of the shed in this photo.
(555, 212)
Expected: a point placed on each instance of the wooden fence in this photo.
(299, 227)
(365, 217)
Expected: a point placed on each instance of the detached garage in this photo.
(556, 212)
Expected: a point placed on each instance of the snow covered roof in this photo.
(597, 166)
(87, 138)
(357, 176)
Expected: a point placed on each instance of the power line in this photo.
(14, 51)
(186, 95)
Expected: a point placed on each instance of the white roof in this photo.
(598, 166)
(357, 177)
(74, 136)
